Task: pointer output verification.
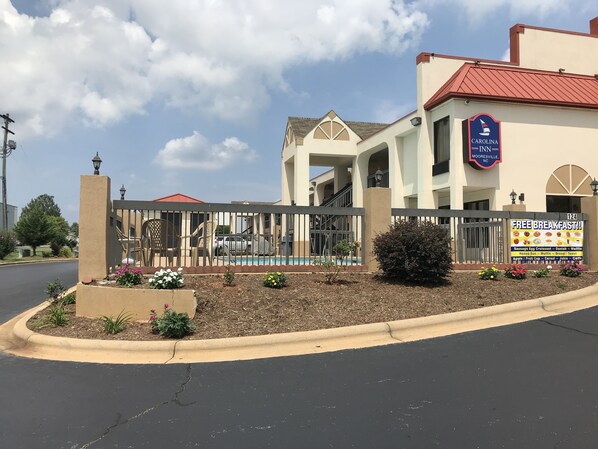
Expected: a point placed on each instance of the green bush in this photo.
(414, 252)
(229, 277)
(171, 324)
(128, 276)
(572, 269)
(489, 273)
(8, 243)
(58, 316)
(542, 272)
(65, 251)
(55, 289)
(71, 298)
(167, 279)
(331, 270)
(516, 271)
(113, 325)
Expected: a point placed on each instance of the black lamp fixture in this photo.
(122, 192)
(522, 197)
(594, 185)
(416, 121)
(96, 164)
(513, 196)
(378, 177)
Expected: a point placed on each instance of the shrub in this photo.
(55, 289)
(229, 277)
(331, 271)
(128, 276)
(167, 279)
(275, 279)
(344, 248)
(71, 298)
(542, 272)
(65, 251)
(8, 243)
(572, 269)
(115, 325)
(489, 273)
(58, 316)
(516, 271)
(171, 324)
(414, 252)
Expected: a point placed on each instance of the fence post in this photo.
(507, 229)
(94, 223)
(589, 205)
(378, 216)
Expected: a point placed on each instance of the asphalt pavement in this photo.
(23, 286)
(530, 385)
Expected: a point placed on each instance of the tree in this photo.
(45, 203)
(74, 229)
(33, 228)
(59, 230)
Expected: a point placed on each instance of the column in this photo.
(377, 204)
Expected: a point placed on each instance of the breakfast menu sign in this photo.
(546, 241)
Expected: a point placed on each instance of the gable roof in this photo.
(178, 198)
(302, 126)
(518, 85)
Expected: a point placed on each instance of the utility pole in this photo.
(7, 147)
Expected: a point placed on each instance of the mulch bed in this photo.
(308, 303)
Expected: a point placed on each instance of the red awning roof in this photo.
(178, 198)
(513, 84)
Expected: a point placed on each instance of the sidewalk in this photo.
(17, 339)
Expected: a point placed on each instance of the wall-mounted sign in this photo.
(482, 142)
(546, 241)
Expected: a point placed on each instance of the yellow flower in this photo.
(491, 277)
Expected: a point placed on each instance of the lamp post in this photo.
(594, 185)
(8, 147)
(513, 196)
(96, 161)
(122, 192)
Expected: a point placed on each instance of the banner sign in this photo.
(546, 241)
(483, 147)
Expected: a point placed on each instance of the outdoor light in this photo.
(522, 197)
(378, 177)
(416, 121)
(122, 192)
(594, 185)
(96, 164)
(513, 196)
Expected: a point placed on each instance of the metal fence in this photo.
(171, 234)
(481, 237)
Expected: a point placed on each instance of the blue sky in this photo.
(193, 96)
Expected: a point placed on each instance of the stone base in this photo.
(94, 301)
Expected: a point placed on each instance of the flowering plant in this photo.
(489, 274)
(572, 269)
(516, 271)
(167, 279)
(171, 324)
(542, 272)
(128, 276)
(275, 279)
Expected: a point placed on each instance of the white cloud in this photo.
(388, 112)
(196, 152)
(478, 11)
(99, 61)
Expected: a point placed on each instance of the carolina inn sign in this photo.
(482, 142)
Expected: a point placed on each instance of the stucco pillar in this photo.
(507, 229)
(395, 177)
(425, 161)
(94, 226)
(341, 177)
(318, 194)
(287, 183)
(589, 205)
(378, 215)
(359, 174)
(301, 175)
(456, 194)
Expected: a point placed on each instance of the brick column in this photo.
(507, 229)
(378, 215)
(94, 223)
(589, 205)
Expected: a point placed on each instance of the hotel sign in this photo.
(482, 142)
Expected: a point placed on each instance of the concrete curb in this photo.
(26, 343)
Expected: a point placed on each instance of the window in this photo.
(442, 146)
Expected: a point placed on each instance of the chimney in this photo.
(594, 26)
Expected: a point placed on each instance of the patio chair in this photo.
(205, 242)
(159, 238)
(130, 246)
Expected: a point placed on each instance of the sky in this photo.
(193, 96)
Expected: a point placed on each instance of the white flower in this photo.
(151, 280)
(549, 267)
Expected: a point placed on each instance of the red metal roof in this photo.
(518, 85)
(178, 198)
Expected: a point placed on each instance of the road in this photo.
(531, 385)
(23, 286)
